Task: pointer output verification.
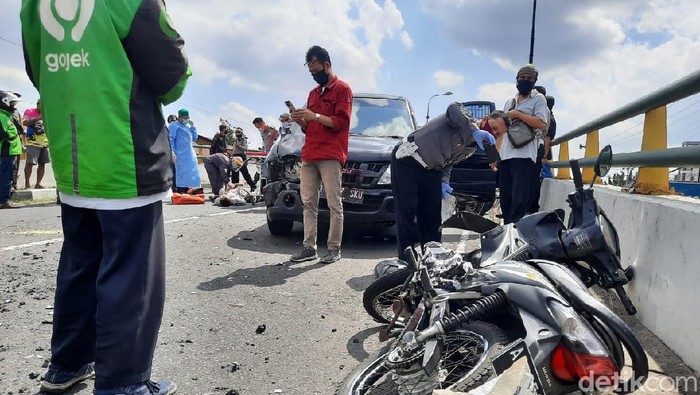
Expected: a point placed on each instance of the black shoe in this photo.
(331, 256)
(307, 254)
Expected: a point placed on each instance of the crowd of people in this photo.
(105, 324)
(20, 133)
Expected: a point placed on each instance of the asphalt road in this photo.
(226, 276)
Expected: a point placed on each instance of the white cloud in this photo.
(448, 79)
(498, 93)
(261, 45)
(14, 78)
(676, 17)
(406, 40)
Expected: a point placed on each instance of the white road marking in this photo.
(36, 243)
(224, 213)
(170, 221)
(60, 239)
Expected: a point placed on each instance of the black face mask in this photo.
(525, 86)
(321, 77)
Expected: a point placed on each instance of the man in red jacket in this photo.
(326, 122)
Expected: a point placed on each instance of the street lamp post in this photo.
(427, 114)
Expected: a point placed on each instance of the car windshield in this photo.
(385, 117)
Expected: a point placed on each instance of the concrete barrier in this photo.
(660, 237)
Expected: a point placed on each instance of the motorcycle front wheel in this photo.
(465, 364)
(381, 294)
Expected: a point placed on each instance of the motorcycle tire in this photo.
(373, 374)
(379, 296)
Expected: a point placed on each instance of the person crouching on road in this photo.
(420, 172)
(219, 168)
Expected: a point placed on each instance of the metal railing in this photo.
(254, 155)
(686, 86)
(672, 157)
(654, 153)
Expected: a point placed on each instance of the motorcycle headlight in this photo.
(385, 179)
(609, 233)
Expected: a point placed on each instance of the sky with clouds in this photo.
(594, 56)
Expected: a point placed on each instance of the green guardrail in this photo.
(672, 157)
(684, 87)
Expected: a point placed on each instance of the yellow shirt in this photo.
(38, 140)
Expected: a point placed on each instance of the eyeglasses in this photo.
(311, 63)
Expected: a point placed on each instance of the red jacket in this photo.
(322, 142)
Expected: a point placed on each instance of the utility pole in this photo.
(532, 35)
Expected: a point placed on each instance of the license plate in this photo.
(515, 360)
(350, 195)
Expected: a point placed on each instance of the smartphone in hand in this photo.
(289, 105)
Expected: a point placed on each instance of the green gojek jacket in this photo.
(10, 143)
(104, 68)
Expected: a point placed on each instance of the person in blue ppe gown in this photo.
(182, 134)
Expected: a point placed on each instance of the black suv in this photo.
(378, 122)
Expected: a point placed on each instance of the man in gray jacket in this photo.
(420, 172)
(219, 169)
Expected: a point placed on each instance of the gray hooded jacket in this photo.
(447, 139)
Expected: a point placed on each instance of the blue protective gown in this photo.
(186, 169)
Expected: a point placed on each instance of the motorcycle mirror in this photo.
(604, 162)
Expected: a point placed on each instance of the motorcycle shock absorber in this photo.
(478, 310)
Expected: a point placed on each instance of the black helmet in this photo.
(8, 100)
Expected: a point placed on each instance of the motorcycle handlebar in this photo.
(626, 302)
(576, 173)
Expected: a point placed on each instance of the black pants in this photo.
(15, 172)
(110, 292)
(536, 182)
(174, 187)
(246, 175)
(216, 179)
(515, 183)
(417, 196)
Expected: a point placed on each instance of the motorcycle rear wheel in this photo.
(466, 359)
(379, 296)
